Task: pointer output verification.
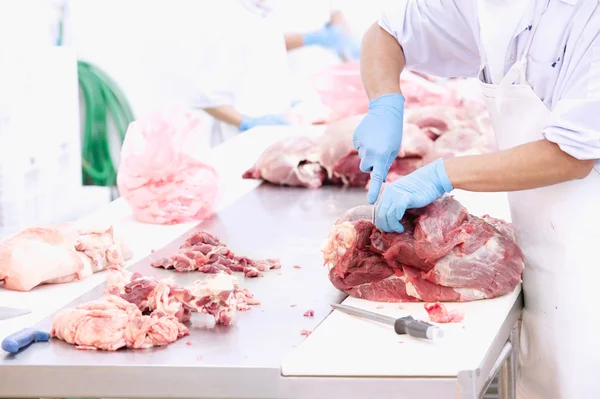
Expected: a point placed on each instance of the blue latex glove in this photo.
(332, 37)
(378, 137)
(415, 190)
(265, 120)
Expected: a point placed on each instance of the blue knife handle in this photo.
(17, 341)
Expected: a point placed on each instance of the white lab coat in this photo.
(304, 16)
(556, 75)
(241, 63)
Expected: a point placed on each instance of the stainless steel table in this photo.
(241, 361)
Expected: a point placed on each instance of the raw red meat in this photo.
(445, 254)
(204, 252)
(439, 314)
(216, 294)
(292, 161)
(111, 323)
(309, 313)
(58, 254)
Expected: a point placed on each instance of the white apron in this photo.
(558, 230)
(266, 87)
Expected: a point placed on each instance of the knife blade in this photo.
(361, 212)
(9, 313)
(403, 325)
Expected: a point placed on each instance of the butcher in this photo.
(538, 63)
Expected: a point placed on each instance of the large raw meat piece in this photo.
(58, 254)
(111, 323)
(445, 254)
(292, 161)
(207, 254)
(216, 294)
(338, 157)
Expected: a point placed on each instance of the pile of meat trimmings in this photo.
(139, 311)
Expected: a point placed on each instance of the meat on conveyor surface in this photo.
(445, 255)
(430, 133)
(207, 254)
(217, 294)
(58, 254)
(111, 323)
(139, 312)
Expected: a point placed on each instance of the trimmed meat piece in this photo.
(111, 323)
(205, 253)
(58, 254)
(439, 314)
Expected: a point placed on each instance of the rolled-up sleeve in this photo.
(439, 37)
(575, 124)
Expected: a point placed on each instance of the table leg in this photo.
(507, 380)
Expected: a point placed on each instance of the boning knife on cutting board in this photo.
(403, 325)
(9, 313)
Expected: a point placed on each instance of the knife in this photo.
(19, 340)
(403, 325)
(9, 313)
(361, 212)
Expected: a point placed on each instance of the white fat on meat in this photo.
(341, 238)
(215, 294)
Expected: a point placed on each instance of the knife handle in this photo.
(17, 341)
(417, 328)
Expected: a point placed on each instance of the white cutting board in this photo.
(350, 346)
(345, 345)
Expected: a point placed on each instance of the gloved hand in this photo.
(415, 190)
(378, 137)
(265, 120)
(335, 38)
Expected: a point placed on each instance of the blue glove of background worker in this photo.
(415, 190)
(265, 120)
(335, 38)
(378, 137)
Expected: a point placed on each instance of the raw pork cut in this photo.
(204, 252)
(445, 254)
(439, 314)
(111, 323)
(341, 161)
(292, 161)
(216, 294)
(58, 254)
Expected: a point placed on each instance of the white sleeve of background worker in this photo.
(438, 36)
(219, 64)
(574, 124)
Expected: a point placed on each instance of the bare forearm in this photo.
(226, 113)
(381, 62)
(528, 166)
(293, 41)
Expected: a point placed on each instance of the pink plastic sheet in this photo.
(160, 176)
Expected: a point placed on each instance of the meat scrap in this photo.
(439, 314)
(216, 294)
(205, 253)
(309, 313)
(111, 323)
(444, 255)
(58, 254)
(305, 333)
